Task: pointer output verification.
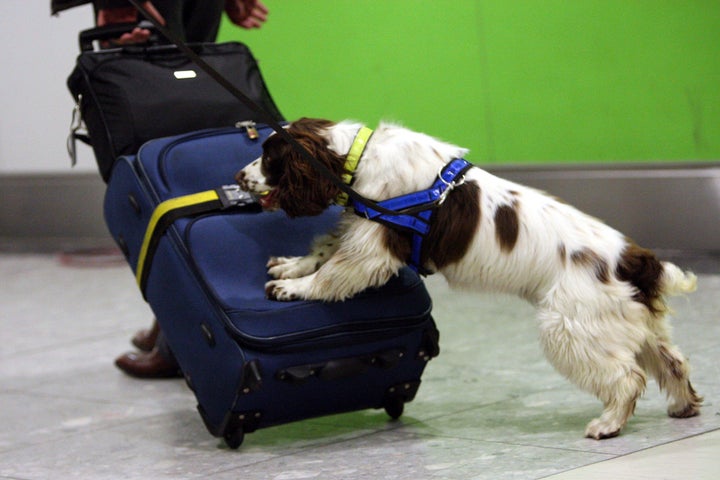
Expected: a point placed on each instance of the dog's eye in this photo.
(266, 165)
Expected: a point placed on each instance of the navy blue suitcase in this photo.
(252, 362)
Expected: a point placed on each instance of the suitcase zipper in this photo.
(250, 129)
(330, 336)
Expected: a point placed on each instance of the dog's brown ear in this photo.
(302, 190)
(309, 126)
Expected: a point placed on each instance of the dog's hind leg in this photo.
(666, 363)
(664, 360)
(596, 359)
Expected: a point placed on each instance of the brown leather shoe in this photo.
(145, 339)
(148, 365)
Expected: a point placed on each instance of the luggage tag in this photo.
(234, 196)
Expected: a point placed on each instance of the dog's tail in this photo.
(675, 281)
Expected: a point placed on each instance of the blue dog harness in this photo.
(415, 210)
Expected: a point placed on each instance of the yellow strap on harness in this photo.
(163, 215)
(352, 160)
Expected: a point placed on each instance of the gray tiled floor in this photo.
(489, 407)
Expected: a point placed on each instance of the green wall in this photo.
(516, 81)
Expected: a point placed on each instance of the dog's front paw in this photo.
(277, 265)
(291, 267)
(275, 261)
(282, 290)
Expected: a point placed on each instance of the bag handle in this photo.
(112, 31)
(264, 116)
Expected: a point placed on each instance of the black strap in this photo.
(264, 117)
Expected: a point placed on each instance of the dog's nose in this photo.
(240, 178)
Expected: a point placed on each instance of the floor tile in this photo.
(490, 406)
(691, 458)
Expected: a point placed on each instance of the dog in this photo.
(600, 297)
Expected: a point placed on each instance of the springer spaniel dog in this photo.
(600, 297)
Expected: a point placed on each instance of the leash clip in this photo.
(449, 186)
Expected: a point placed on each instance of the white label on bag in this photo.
(184, 74)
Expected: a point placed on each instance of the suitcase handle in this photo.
(340, 368)
(112, 31)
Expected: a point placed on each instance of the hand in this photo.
(246, 13)
(110, 16)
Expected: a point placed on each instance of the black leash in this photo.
(264, 117)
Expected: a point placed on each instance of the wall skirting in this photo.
(664, 206)
(672, 207)
(51, 212)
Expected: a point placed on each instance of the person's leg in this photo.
(171, 11)
(145, 339)
(193, 20)
(157, 363)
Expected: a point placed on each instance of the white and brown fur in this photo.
(600, 297)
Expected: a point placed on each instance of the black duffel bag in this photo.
(126, 96)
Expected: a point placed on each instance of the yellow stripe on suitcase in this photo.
(162, 217)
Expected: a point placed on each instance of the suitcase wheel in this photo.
(395, 407)
(397, 396)
(235, 438)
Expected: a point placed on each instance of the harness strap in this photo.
(415, 210)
